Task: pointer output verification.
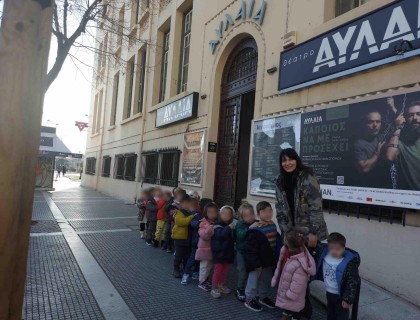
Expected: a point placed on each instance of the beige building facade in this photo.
(177, 109)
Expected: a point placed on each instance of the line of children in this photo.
(204, 240)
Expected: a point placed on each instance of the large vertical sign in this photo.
(367, 152)
(389, 34)
(269, 137)
(192, 159)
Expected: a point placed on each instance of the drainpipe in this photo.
(146, 99)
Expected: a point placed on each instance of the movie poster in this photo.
(192, 159)
(270, 136)
(367, 152)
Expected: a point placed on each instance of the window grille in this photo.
(90, 167)
(161, 167)
(106, 166)
(125, 167)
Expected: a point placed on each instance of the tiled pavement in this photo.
(57, 289)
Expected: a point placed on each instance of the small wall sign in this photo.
(212, 147)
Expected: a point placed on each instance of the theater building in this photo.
(216, 89)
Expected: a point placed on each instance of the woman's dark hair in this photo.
(209, 206)
(295, 240)
(292, 154)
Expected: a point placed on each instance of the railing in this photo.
(370, 212)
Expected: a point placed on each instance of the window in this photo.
(150, 167)
(115, 98)
(164, 71)
(141, 6)
(99, 112)
(106, 166)
(103, 48)
(135, 10)
(125, 167)
(129, 90)
(95, 111)
(161, 167)
(90, 166)
(141, 79)
(343, 6)
(169, 165)
(120, 29)
(185, 51)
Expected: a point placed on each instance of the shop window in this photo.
(343, 6)
(130, 87)
(106, 167)
(125, 167)
(90, 167)
(115, 98)
(141, 79)
(161, 167)
(164, 69)
(185, 51)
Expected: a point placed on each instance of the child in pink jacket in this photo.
(204, 254)
(294, 267)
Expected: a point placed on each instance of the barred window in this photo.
(185, 51)
(169, 165)
(161, 167)
(130, 167)
(90, 167)
(106, 166)
(343, 6)
(125, 167)
(150, 167)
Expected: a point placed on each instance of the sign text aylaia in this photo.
(246, 11)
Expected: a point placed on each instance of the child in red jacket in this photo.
(161, 217)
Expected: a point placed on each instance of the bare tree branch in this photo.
(84, 17)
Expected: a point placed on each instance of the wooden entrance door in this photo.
(236, 113)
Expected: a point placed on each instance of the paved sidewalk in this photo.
(61, 286)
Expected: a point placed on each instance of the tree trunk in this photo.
(25, 37)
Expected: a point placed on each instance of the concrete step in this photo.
(375, 303)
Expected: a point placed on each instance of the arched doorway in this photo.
(236, 114)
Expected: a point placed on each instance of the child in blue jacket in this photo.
(338, 267)
(223, 249)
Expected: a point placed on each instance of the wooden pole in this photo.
(25, 36)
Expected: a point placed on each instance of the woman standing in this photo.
(299, 204)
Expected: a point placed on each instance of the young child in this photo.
(161, 217)
(151, 216)
(167, 239)
(171, 206)
(141, 204)
(223, 250)
(338, 267)
(204, 254)
(292, 275)
(262, 242)
(180, 234)
(192, 264)
(246, 219)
